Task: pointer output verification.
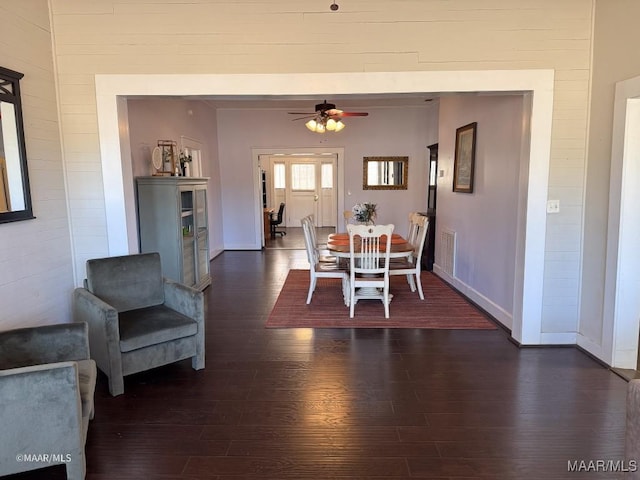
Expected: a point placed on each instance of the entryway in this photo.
(307, 183)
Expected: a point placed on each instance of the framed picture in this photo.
(465, 158)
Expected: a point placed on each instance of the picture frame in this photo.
(465, 158)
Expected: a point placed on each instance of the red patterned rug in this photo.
(442, 308)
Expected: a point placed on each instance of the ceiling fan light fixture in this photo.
(311, 125)
(327, 118)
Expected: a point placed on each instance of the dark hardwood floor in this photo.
(351, 404)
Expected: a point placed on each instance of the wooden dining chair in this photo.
(410, 266)
(347, 215)
(323, 254)
(413, 227)
(369, 249)
(319, 269)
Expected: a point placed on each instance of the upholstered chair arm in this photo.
(43, 400)
(186, 300)
(43, 344)
(189, 302)
(104, 333)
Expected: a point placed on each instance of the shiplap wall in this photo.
(35, 255)
(144, 36)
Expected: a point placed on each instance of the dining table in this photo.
(338, 245)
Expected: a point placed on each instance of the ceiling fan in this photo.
(326, 118)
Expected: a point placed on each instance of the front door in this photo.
(306, 184)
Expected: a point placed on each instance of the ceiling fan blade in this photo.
(304, 118)
(354, 114)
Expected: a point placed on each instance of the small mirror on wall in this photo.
(15, 196)
(385, 173)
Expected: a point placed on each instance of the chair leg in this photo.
(76, 468)
(410, 281)
(345, 290)
(312, 288)
(386, 302)
(419, 283)
(116, 385)
(352, 300)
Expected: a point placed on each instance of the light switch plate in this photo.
(553, 206)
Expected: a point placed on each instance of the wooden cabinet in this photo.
(172, 220)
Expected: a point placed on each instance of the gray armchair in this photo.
(138, 319)
(632, 433)
(47, 383)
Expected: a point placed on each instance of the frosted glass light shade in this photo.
(311, 125)
(321, 125)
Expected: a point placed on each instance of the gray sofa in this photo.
(47, 384)
(138, 319)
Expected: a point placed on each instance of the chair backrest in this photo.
(347, 215)
(311, 226)
(421, 228)
(127, 282)
(369, 248)
(309, 242)
(26, 346)
(413, 227)
(280, 213)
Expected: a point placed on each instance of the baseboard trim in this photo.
(493, 309)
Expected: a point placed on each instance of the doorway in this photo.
(115, 153)
(306, 184)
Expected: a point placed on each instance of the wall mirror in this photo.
(15, 196)
(385, 173)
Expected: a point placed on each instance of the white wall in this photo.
(616, 34)
(156, 119)
(484, 221)
(263, 37)
(385, 132)
(36, 278)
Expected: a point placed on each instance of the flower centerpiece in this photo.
(364, 212)
(184, 158)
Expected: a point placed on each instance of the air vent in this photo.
(447, 250)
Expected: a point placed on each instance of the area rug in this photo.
(442, 308)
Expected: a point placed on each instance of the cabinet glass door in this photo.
(188, 225)
(202, 239)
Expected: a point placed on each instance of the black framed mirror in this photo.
(385, 173)
(15, 195)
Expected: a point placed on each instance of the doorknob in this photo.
(315, 198)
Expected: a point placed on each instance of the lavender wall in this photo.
(484, 221)
(151, 120)
(386, 131)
